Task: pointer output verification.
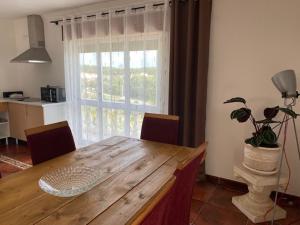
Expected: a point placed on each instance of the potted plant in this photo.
(261, 151)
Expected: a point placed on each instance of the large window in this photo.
(116, 68)
(117, 87)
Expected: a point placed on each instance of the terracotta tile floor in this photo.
(18, 152)
(211, 204)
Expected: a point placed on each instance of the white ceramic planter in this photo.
(260, 158)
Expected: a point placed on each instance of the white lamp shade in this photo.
(285, 82)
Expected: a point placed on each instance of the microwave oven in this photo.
(53, 94)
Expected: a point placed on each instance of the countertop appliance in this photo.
(53, 94)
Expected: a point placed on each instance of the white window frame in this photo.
(127, 107)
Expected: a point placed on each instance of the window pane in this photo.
(136, 77)
(151, 59)
(143, 79)
(136, 120)
(105, 68)
(113, 122)
(113, 76)
(88, 75)
(136, 59)
(109, 115)
(150, 77)
(89, 123)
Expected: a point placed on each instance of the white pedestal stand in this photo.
(257, 204)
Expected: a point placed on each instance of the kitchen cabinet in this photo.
(4, 124)
(24, 116)
(17, 120)
(3, 107)
(34, 116)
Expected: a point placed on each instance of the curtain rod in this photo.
(56, 22)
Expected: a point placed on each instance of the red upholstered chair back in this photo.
(179, 213)
(160, 128)
(49, 141)
(155, 213)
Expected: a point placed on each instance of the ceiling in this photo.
(19, 8)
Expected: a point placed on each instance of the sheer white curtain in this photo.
(116, 68)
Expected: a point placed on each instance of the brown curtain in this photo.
(190, 32)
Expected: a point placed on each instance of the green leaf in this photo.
(269, 137)
(241, 115)
(236, 99)
(288, 112)
(270, 113)
(255, 141)
(250, 141)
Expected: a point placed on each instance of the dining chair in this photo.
(49, 141)
(160, 128)
(185, 173)
(156, 210)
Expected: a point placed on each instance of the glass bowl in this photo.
(69, 181)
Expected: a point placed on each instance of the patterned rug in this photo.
(14, 162)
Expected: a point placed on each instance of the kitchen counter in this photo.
(35, 103)
(22, 115)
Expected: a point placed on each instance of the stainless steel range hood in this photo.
(37, 52)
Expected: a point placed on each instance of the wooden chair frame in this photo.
(161, 116)
(44, 128)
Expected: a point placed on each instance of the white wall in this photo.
(250, 41)
(8, 72)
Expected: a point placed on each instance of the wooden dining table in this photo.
(133, 172)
